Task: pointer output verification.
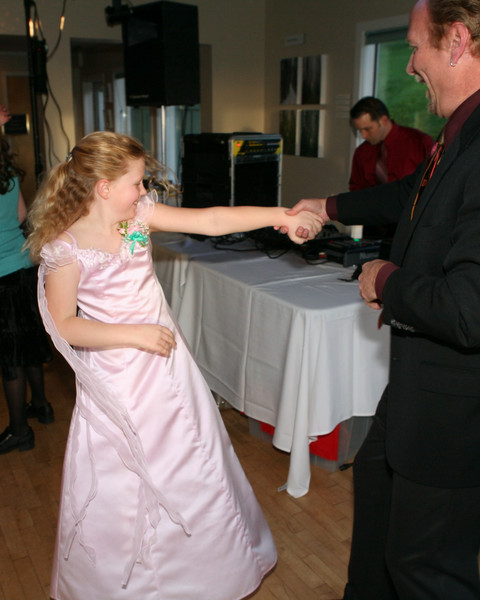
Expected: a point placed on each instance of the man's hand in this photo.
(367, 280)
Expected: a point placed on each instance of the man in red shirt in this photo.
(401, 149)
(389, 152)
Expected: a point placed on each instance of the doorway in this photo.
(15, 94)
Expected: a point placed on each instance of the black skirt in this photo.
(23, 341)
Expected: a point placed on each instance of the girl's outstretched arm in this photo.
(61, 293)
(221, 220)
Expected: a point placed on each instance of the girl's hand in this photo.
(304, 226)
(156, 338)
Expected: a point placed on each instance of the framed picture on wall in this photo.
(303, 87)
(311, 133)
(290, 75)
(288, 131)
(313, 79)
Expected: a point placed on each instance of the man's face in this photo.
(427, 64)
(372, 132)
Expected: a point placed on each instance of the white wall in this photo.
(235, 30)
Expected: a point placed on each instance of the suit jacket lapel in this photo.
(433, 189)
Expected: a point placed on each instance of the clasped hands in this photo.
(303, 225)
(315, 208)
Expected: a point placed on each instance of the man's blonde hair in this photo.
(444, 13)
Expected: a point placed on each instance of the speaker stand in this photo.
(163, 130)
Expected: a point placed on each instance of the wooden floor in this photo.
(312, 533)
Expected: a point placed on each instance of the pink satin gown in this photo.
(155, 504)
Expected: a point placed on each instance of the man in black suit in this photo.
(416, 533)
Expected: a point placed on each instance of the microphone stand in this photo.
(33, 85)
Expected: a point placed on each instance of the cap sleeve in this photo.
(145, 207)
(58, 254)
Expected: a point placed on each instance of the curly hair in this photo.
(445, 12)
(67, 192)
(8, 168)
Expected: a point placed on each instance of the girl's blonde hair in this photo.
(67, 192)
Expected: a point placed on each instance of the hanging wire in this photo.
(36, 31)
(51, 151)
(60, 31)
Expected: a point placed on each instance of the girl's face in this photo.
(127, 189)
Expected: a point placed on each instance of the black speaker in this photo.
(221, 169)
(161, 54)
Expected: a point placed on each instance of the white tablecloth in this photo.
(285, 342)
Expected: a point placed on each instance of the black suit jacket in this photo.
(432, 303)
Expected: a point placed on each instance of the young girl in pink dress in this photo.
(155, 505)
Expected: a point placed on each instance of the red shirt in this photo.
(406, 149)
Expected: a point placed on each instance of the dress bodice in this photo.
(114, 287)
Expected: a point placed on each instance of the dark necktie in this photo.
(381, 171)
(435, 157)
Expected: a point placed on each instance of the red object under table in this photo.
(326, 446)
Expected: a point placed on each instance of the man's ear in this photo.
(460, 38)
(102, 187)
